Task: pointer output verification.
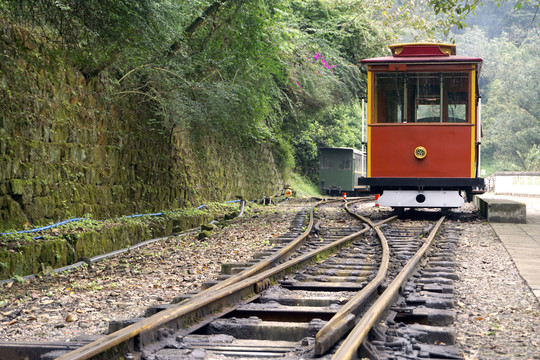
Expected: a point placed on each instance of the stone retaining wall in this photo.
(32, 257)
(71, 146)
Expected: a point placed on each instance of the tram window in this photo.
(390, 98)
(394, 112)
(428, 110)
(326, 162)
(421, 97)
(457, 107)
(426, 91)
(345, 164)
(456, 92)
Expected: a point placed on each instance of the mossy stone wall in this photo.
(71, 146)
(31, 257)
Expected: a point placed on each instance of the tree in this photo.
(456, 11)
(510, 97)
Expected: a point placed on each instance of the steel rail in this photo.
(271, 260)
(343, 321)
(349, 347)
(211, 300)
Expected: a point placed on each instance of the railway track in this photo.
(299, 301)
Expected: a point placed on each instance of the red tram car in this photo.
(423, 145)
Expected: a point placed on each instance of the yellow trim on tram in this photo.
(472, 84)
(369, 119)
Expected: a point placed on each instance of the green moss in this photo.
(88, 238)
(5, 263)
(55, 253)
(208, 227)
(16, 186)
(204, 234)
(22, 262)
(11, 214)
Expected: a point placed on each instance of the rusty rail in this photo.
(212, 300)
(349, 348)
(343, 321)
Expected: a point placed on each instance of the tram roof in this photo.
(423, 53)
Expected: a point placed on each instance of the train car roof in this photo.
(426, 53)
(341, 148)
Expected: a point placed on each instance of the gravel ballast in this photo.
(498, 317)
(62, 306)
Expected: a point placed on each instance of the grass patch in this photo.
(304, 187)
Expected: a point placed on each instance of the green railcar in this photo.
(339, 170)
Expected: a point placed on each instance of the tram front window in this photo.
(457, 107)
(421, 97)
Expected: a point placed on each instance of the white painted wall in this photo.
(519, 184)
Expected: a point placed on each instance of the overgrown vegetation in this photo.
(507, 40)
(304, 187)
(283, 72)
(13, 239)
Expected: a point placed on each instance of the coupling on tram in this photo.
(423, 127)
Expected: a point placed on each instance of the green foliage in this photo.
(303, 187)
(284, 153)
(100, 33)
(455, 11)
(531, 159)
(246, 69)
(510, 98)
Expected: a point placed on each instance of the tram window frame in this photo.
(358, 165)
(403, 95)
(327, 162)
(345, 164)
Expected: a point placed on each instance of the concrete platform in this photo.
(522, 240)
(501, 210)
